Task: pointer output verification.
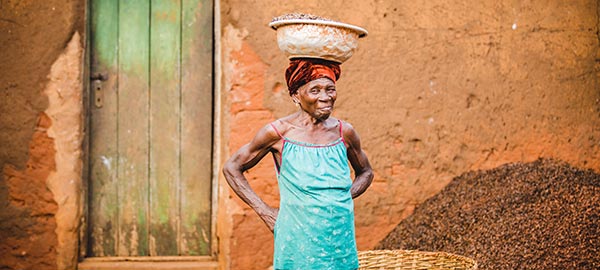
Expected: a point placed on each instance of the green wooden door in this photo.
(150, 128)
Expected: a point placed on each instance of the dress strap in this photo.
(278, 162)
(278, 133)
(341, 132)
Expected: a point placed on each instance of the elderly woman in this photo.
(314, 224)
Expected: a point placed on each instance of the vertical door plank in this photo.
(152, 138)
(165, 126)
(133, 126)
(196, 126)
(103, 212)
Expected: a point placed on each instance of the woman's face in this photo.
(317, 98)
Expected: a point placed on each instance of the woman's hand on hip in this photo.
(269, 216)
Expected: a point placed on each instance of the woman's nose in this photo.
(324, 96)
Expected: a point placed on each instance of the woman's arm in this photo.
(359, 161)
(245, 158)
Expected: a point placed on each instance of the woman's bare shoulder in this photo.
(283, 124)
(349, 133)
(266, 137)
(346, 126)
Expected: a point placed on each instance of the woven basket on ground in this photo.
(413, 260)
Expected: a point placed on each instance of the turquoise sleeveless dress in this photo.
(315, 225)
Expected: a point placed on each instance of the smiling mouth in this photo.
(327, 108)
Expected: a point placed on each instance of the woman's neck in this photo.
(306, 120)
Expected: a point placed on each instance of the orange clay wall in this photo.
(438, 88)
(40, 133)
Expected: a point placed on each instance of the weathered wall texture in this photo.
(65, 109)
(436, 89)
(37, 151)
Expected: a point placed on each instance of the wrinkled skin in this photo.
(312, 124)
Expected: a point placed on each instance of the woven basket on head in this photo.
(413, 260)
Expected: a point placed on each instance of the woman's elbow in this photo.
(366, 176)
(369, 175)
(226, 168)
(229, 169)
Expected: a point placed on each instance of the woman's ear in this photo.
(295, 98)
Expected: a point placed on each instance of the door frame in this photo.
(173, 262)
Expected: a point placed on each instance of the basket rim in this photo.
(361, 31)
(383, 252)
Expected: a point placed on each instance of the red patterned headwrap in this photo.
(304, 70)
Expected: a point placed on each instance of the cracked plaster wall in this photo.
(436, 89)
(40, 133)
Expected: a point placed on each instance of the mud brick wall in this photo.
(438, 88)
(40, 132)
